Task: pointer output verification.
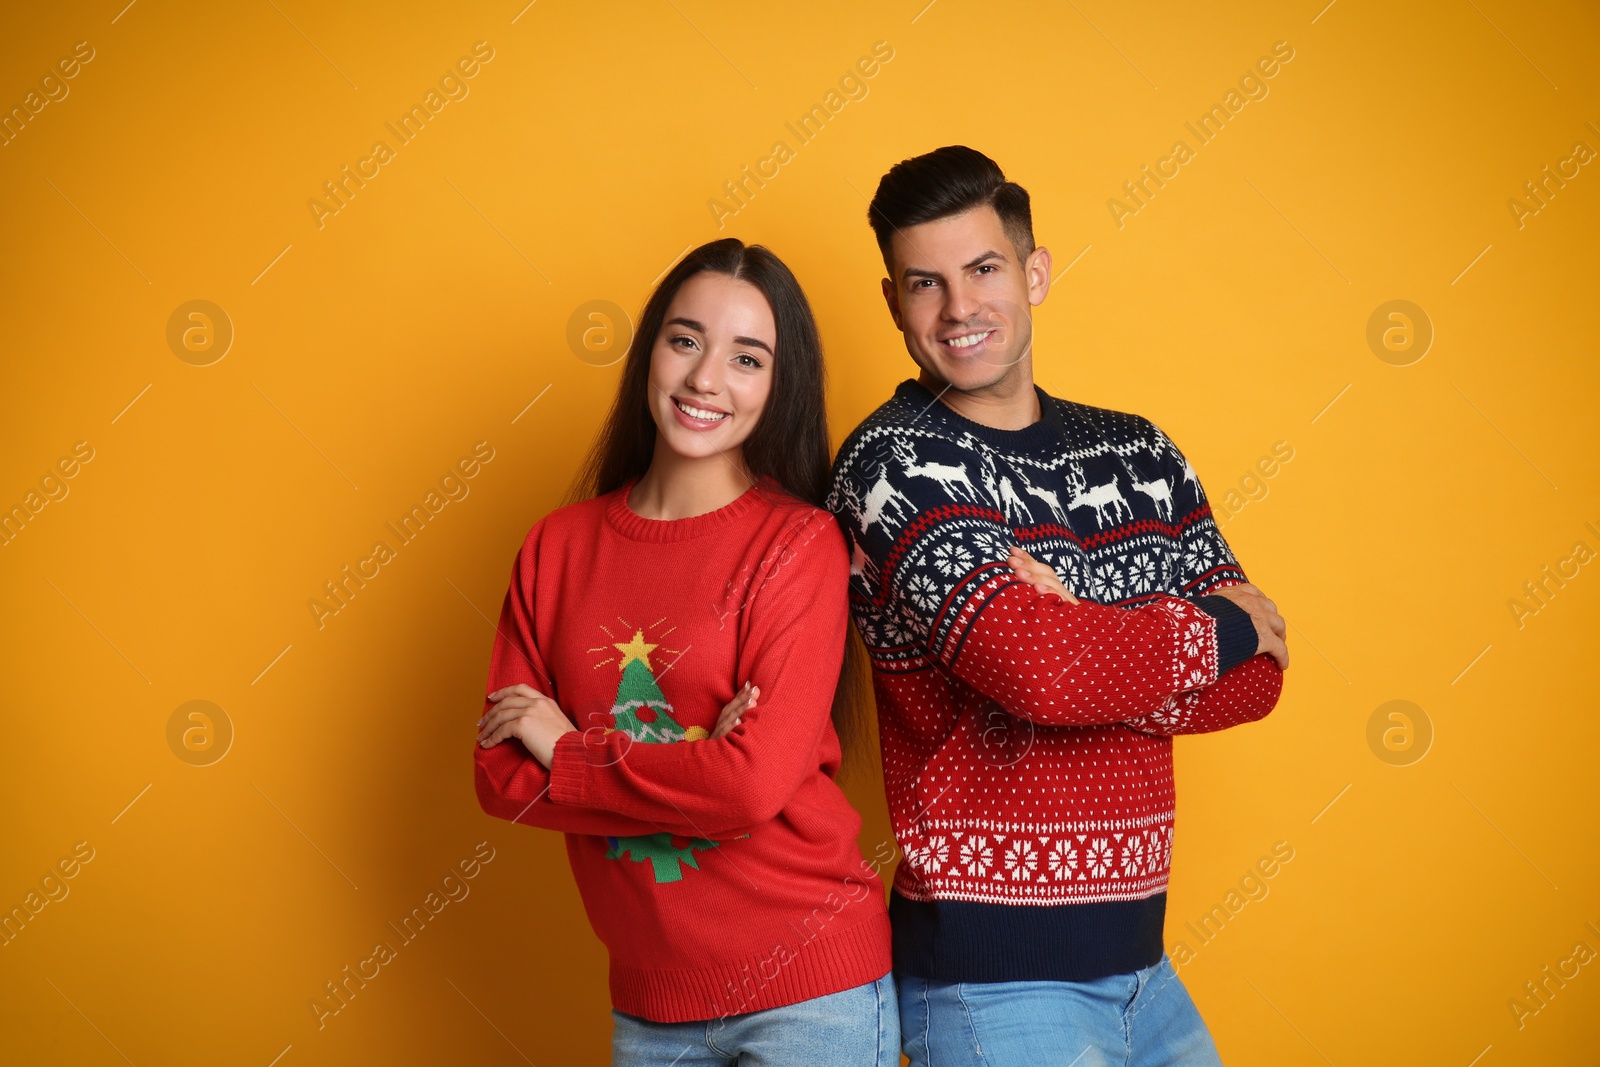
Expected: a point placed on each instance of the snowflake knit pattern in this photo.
(1027, 742)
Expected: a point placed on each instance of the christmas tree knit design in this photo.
(641, 711)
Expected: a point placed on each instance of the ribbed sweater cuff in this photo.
(567, 771)
(1236, 632)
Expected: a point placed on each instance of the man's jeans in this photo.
(856, 1027)
(1142, 1019)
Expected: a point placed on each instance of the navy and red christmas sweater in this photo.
(1027, 742)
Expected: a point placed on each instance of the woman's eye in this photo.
(752, 360)
(688, 341)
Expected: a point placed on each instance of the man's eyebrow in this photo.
(918, 272)
(700, 328)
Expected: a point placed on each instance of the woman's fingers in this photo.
(521, 689)
(498, 718)
(742, 701)
(511, 704)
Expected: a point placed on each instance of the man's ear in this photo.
(1038, 274)
(892, 298)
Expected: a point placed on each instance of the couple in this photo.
(1045, 602)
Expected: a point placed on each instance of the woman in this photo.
(661, 683)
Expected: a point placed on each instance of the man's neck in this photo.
(1009, 404)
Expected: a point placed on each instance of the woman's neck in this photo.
(680, 487)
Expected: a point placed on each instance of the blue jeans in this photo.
(857, 1027)
(1142, 1019)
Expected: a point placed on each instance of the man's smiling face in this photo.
(962, 299)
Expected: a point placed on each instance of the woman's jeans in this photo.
(857, 1027)
(1142, 1019)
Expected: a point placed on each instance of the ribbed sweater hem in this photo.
(964, 941)
(795, 969)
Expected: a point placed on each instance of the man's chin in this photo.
(973, 377)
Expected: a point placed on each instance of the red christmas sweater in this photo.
(723, 876)
(1027, 742)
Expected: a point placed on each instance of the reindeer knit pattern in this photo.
(1027, 742)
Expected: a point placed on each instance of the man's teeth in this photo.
(969, 340)
(700, 413)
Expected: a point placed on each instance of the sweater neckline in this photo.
(636, 527)
(1042, 435)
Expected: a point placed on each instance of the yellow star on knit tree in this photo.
(637, 649)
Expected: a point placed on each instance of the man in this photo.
(1046, 601)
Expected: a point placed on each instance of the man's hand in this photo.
(1038, 575)
(523, 712)
(1271, 630)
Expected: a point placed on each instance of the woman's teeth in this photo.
(700, 413)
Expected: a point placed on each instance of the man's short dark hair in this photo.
(945, 182)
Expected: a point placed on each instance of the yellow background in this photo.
(373, 352)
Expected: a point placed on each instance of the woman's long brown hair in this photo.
(789, 443)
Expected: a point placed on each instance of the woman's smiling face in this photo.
(711, 366)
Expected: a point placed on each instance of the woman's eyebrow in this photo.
(754, 343)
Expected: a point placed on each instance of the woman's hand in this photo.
(1036, 574)
(523, 712)
(742, 701)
